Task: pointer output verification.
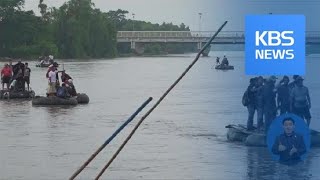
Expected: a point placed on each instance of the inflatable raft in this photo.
(239, 133)
(53, 100)
(47, 64)
(224, 67)
(5, 94)
(81, 98)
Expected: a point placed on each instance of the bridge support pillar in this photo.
(138, 48)
(133, 45)
(199, 44)
(206, 51)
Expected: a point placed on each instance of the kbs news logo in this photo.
(275, 44)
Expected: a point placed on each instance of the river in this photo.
(184, 138)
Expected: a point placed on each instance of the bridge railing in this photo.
(176, 34)
(192, 34)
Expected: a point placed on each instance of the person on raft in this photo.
(70, 87)
(283, 99)
(289, 145)
(225, 61)
(291, 97)
(18, 73)
(6, 75)
(269, 100)
(293, 83)
(26, 76)
(300, 101)
(218, 61)
(52, 77)
(62, 92)
(64, 76)
(255, 103)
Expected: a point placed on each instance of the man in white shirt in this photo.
(52, 77)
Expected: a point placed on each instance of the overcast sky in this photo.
(215, 12)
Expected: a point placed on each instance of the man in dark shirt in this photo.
(293, 83)
(269, 102)
(284, 95)
(18, 71)
(251, 106)
(289, 145)
(27, 73)
(64, 76)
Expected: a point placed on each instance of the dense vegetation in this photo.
(75, 30)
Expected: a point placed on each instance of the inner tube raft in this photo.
(53, 100)
(239, 133)
(5, 94)
(82, 98)
(47, 64)
(224, 67)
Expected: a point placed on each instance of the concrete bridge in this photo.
(138, 38)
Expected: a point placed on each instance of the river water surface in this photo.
(184, 138)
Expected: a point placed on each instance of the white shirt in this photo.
(53, 76)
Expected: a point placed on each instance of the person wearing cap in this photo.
(50, 67)
(293, 83)
(6, 74)
(300, 101)
(283, 99)
(255, 103)
(251, 103)
(259, 101)
(269, 101)
(52, 77)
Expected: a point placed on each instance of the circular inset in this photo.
(288, 138)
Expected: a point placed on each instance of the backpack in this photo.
(245, 98)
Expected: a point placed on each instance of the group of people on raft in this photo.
(224, 61)
(46, 59)
(266, 97)
(15, 76)
(65, 90)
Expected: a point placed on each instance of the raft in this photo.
(47, 64)
(82, 98)
(51, 101)
(5, 94)
(239, 133)
(220, 67)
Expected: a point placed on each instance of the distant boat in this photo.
(10, 94)
(47, 64)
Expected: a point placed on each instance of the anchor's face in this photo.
(288, 127)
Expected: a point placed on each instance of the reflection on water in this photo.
(184, 138)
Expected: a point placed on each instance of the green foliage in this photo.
(75, 30)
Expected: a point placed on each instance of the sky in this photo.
(215, 12)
